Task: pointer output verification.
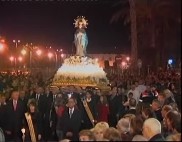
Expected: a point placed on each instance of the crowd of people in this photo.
(137, 108)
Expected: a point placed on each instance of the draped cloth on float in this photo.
(88, 111)
(31, 127)
(81, 42)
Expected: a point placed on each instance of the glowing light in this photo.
(170, 61)
(62, 55)
(23, 130)
(11, 58)
(20, 58)
(50, 55)
(23, 52)
(123, 64)
(1, 47)
(39, 52)
(96, 59)
(127, 58)
(16, 41)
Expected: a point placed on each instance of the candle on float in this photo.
(23, 130)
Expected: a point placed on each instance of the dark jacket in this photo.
(72, 124)
(158, 137)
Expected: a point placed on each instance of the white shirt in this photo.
(71, 110)
(136, 94)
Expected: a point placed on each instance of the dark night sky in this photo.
(51, 24)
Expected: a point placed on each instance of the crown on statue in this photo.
(81, 20)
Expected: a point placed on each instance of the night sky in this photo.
(51, 24)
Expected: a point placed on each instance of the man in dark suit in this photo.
(41, 99)
(50, 116)
(14, 115)
(114, 107)
(71, 120)
(132, 107)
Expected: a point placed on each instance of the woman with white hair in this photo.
(152, 130)
(123, 127)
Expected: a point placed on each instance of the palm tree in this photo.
(129, 17)
(150, 20)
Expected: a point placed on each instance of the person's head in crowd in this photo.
(99, 130)
(161, 97)
(130, 95)
(2, 99)
(22, 94)
(98, 92)
(89, 94)
(136, 124)
(71, 88)
(39, 90)
(156, 105)
(133, 87)
(15, 95)
(103, 100)
(147, 112)
(174, 137)
(55, 90)
(112, 134)
(167, 93)
(136, 83)
(102, 125)
(174, 106)
(65, 140)
(86, 135)
(71, 102)
(114, 90)
(123, 126)
(129, 116)
(32, 106)
(165, 109)
(171, 87)
(173, 121)
(78, 89)
(47, 90)
(132, 102)
(139, 138)
(151, 127)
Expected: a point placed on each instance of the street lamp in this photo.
(39, 52)
(128, 59)
(16, 42)
(50, 55)
(23, 52)
(11, 59)
(20, 59)
(1, 47)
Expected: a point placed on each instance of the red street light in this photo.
(50, 55)
(39, 52)
(11, 58)
(20, 58)
(128, 58)
(1, 47)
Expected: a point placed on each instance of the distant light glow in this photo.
(39, 52)
(11, 58)
(50, 55)
(20, 58)
(62, 55)
(170, 61)
(127, 58)
(1, 47)
(23, 52)
(123, 64)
